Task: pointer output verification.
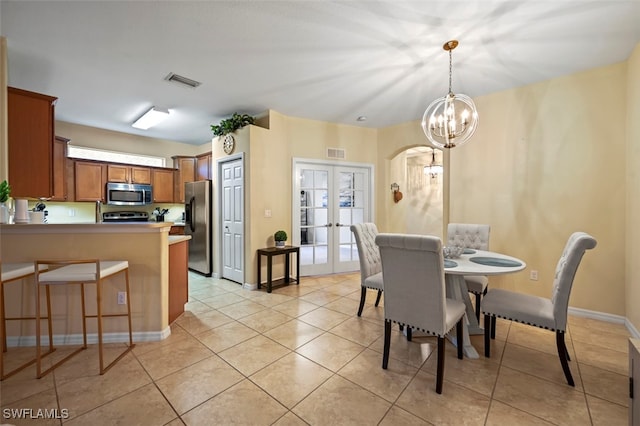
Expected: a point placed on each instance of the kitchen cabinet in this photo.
(176, 230)
(60, 169)
(90, 180)
(203, 162)
(30, 131)
(128, 174)
(186, 173)
(178, 278)
(163, 183)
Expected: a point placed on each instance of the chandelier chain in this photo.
(450, 68)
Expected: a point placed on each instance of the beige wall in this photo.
(92, 137)
(632, 258)
(548, 160)
(269, 156)
(392, 217)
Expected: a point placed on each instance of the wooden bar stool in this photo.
(11, 273)
(86, 271)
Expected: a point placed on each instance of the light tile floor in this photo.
(300, 355)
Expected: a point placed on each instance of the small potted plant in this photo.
(5, 191)
(280, 237)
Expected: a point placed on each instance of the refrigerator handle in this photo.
(189, 209)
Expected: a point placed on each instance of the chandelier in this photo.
(451, 120)
(434, 169)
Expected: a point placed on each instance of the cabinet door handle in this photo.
(329, 225)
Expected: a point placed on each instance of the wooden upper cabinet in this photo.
(128, 174)
(204, 166)
(60, 169)
(186, 173)
(30, 118)
(90, 180)
(163, 182)
(140, 175)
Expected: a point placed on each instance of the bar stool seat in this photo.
(11, 272)
(85, 271)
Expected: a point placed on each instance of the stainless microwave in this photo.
(129, 194)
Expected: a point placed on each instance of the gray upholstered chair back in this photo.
(566, 269)
(413, 273)
(368, 251)
(469, 235)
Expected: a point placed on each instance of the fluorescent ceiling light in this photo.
(151, 118)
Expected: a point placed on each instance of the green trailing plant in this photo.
(280, 236)
(5, 191)
(230, 125)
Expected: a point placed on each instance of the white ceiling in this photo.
(332, 61)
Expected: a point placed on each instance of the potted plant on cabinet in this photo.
(228, 126)
(280, 237)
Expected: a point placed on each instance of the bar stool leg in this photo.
(99, 309)
(84, 317)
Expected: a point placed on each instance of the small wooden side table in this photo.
(275, 251)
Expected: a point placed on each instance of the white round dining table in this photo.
(475, 262)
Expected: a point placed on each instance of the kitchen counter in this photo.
(173, 239)
(145, 245)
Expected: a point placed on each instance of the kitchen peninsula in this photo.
(146, 246)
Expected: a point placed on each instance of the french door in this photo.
(328, 199)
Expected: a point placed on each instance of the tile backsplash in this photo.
(67, 212)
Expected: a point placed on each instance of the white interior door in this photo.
(328, 199)
(232, 214)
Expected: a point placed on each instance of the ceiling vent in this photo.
(182, 80)
(336, 153)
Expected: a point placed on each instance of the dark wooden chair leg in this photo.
(409, 335)
(363, 296)
(487, 335)
(378, 297)
(478, 306)
(440, 373)
(387, 343)
(459, 337)
(493, 327)
(401, 327)
(562, 353)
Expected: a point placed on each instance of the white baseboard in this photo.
(601, 316)
(251, 287)
(76, 339)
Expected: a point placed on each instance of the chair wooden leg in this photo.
(378, 297)
(478, 306)
(440, 373)
(409, 334)
(487, 335)
(562, 353)
(459, 337)
(387, 343)
(493, 327)
(363, 296)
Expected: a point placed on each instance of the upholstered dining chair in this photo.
(370, 266)
(415, 296)
(471, 236)
(550, 314)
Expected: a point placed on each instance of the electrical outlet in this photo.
(533, 275)
(122, 298)
(267, 213)
(72, 212)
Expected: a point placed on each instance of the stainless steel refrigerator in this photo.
(197, 224)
